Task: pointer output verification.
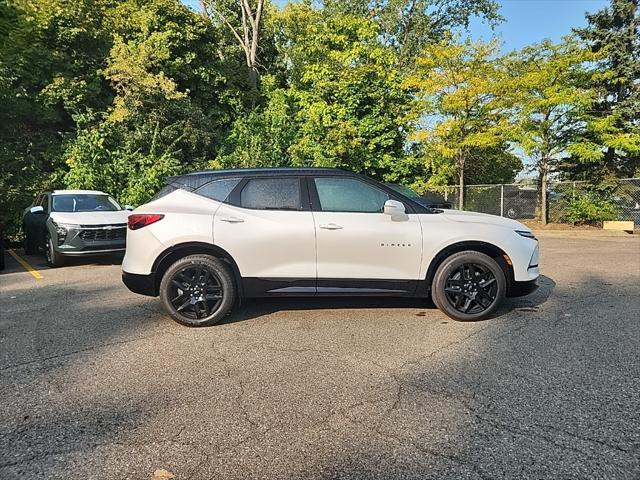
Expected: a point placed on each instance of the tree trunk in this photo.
(543, 196)
(247, 34)
(461, 181)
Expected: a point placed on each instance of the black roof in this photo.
(247, 172)
(195, 180)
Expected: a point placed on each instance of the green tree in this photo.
(549, 94)
(458, 85)
(348, 103)
(171, 106)
(612, 143)
(50, 52)
(245, 22)
(408, 26)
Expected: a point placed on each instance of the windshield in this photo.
(84, 202)
(404, 190)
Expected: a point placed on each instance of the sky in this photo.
(530, 21)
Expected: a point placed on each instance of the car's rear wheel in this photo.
(469, 286)
(54, 258)
(198, 290)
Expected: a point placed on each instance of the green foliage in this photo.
(458, 87)
(117, 95)
(612, 141)
(591, 208)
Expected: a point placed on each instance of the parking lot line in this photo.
(26, 265)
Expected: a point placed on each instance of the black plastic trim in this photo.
(278, 287)
(367, 287)
(305, 287)
(142, 284)
(520, 289)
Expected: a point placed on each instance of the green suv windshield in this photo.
(84, 202)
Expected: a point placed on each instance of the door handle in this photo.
(331, 226)
(231, 219)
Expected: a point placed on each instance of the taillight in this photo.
(139, 220)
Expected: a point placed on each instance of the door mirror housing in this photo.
(396, 210)
(36, 209)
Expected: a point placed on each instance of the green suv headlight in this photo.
(61, 232)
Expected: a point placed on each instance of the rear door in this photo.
(267, 227)
(360, 249)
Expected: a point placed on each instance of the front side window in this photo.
(349, 195)
(83, 202)
(272, 194)
(218, 190)
(45, 203)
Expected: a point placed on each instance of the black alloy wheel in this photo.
(469, 286)
(198, 290)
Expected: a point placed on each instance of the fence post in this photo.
(502, 200)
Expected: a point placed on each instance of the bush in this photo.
(590, 208)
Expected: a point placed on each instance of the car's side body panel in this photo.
(267, 243)
(440, 232)
(367, 246)
(187, 218)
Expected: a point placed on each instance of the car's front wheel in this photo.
(54, 258)
(198, 290)
(469, 286)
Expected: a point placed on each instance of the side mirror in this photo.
(396, 210)
(128, 207)
(36, 209)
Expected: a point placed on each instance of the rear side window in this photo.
(349, 195)
(166, 190)
(272, 194)
(218, 189)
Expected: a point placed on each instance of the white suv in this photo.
(210, 238)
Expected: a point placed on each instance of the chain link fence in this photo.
(520, 201)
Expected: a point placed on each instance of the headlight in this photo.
(61, 231)
(526, 234)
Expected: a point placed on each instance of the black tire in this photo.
(54, 258)
(1, 253)
(187, 284)
(468, 286)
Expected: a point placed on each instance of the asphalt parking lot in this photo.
(96, 383)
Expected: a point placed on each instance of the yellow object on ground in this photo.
(627, 226)
(26, 265)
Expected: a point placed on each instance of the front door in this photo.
(359, 248)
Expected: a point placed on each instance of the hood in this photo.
(91, 218)
(475, 217)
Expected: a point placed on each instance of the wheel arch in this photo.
(181, 250)
(495, 252)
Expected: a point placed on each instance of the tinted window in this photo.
(45, 203)
(218, 189)
(83, 202)
(349, 195)
(272, 194)
(404, 190)
(166, 190)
